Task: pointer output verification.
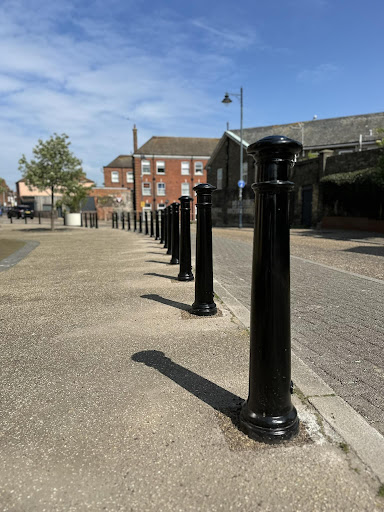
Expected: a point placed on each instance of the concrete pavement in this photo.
(116, 398)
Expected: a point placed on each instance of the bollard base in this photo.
(204, 309)
(174, 261)
(185, 276)
(269, 429)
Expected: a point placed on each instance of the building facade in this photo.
(166, 168)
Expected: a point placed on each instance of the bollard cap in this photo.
(204, 188)
(185, 198)
(275, 145)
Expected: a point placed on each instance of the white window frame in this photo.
(199, 172)
(184, 170)
(130, 177)
(115, 174)
(219, 179)
(145, 167)
(183, 185)
(162, 190)
(160, 165)
(146, 190)
(161, 206)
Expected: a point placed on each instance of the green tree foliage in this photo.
(53, 166)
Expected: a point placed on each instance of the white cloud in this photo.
(319, 74)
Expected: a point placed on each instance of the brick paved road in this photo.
(337, 318)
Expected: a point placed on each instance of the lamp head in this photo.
(227, 100)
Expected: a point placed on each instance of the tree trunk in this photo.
(52, 218)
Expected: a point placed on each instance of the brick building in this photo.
(167, 167)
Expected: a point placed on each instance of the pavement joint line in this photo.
(364, 439)
(380, 281)
(18, 255)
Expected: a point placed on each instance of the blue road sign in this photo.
(241, 184)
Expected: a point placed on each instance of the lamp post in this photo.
(227, 100)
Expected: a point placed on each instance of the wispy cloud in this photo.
(319, 74)
(228, 37)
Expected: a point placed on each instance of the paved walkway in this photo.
(337, 317)
(115, 398)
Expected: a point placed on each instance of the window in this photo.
(115, 178)
(161, 206)
(145, 167)
(146, 189)
(199, 168)
(184, 167)
(185, 189)
(129, 176)
(161, 189)
(160, 167)
(245, 172)
(219, 179)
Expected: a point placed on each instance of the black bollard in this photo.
(39, 218)
(117, 220)
(162, 216)
(204, 304)
(146, 223)
(185, 273)
(134, 221)
(268, 415)
(175, 234)
(122, 221)
(165, 228)
(81, 220)
(169, 230)
(128, 222)
(113, 220)
(96, 221)
(85, 220)
(140, 222)
(157, 232)
(25, 220)
(152, 226)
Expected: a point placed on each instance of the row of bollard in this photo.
(89, 220)
(268, 414)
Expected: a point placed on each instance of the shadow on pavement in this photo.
(168, 302)
(154, 252)
(161, 275)
(372, 251)
(205, 390)
(155, 261)
(336, 234)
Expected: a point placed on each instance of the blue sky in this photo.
(92, 69)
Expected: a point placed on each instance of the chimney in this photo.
(134, 138)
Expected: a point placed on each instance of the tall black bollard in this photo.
(185, 273)
(169, 230)
(157, 231)
(86, 220)
(268, 415)
(39, 218)
(128, 222)
(122, 221)
(25, 220)
(152, 230)
(204, 304)
(134, 221)
(113, 220)
(175, 234)
(117, 220)
(140, 222)
(166, 228)
(96, 221)
(146, 223)
(162, 216)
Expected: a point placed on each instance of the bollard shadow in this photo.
(168, 302)
(155, 261)
(160, 275)
(215, 396)
(154, 252)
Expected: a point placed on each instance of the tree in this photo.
(3, 190)
(74, 197)
(53, 167)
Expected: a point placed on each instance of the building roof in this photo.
(330, 132)
(121, 162)
(182, 146)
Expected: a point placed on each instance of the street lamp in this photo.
(227, 100)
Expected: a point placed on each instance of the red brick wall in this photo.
(172, 179)
(122, 178)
